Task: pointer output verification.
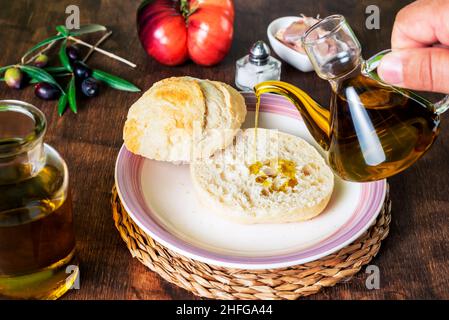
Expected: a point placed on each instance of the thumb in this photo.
(425, 69)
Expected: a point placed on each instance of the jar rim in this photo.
(35, 134)
(341, 20)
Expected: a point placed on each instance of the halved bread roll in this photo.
(180, 117)
(289, 181)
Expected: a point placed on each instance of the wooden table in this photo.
(413, 260)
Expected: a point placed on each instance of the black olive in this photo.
(73, 52)
(46, 91)
(90, 87)
(81, 70)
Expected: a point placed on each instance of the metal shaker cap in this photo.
(259, 53)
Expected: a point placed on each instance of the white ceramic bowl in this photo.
(298, 60)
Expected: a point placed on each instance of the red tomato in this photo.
(172, 31)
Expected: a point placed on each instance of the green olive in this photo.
(14, 78)
(41, 60)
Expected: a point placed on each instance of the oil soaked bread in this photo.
(281, 179)
(180, 117)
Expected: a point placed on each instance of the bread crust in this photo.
(169, 122)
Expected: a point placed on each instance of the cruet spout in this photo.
(316, 117)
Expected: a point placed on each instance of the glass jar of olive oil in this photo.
(37, 241)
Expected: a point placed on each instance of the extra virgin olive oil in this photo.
(266, 172)
(377, 131)
(36, 236)
(371, 131)
(37, 241)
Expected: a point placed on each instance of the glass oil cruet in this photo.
(371, 130)
(37, 240)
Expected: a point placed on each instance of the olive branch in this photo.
(48, 74)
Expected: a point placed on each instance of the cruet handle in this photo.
(442, 105)
(369, 68)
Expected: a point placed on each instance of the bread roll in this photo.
(289, 181)
(182, 116)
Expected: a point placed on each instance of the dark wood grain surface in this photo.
(413, 260)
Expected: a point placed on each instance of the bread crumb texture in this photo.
(286, 180)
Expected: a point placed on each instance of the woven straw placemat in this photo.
(215, 282)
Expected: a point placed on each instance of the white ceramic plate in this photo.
(298, 60)
(159, 197)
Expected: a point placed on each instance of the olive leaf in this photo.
(71, 95)
(63, 56)
(88, 28)
(56, 69)
(62, 30)
(62, 104)
(114, 81)
(44, 42)
(59, 75)
(40, 74)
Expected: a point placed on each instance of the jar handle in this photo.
(369, 68)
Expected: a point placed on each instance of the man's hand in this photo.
(419, 59)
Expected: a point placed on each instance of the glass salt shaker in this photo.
(256, 67)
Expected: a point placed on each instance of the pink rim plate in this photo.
(127, 178)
